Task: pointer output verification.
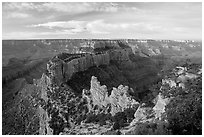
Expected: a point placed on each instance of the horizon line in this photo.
(104, 39)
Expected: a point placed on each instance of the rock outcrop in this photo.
(121, 100)
(142, 115)
(159, 108)
(99, 94)
(150, 114)
(170, 82)
(118, 101)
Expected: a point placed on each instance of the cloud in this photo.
(143, 27)
(68, 7)
(70, 27)
(61, 24)
(39, 35)
(95, 27)
(20, 6)
(102, 27)
(99, 27)
(17, 15)
(101, 19)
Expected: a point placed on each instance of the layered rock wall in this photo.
(83, 63)
(63, 71)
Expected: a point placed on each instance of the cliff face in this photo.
(83, 63)
(63, 71)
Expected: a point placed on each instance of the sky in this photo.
(134, 20)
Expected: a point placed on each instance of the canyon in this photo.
(102, 85)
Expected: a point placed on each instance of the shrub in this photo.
(185, 115)
(91, 118)
(100, 118)
(184, 112)
(129, 113)
(159, 128)
(119, 120)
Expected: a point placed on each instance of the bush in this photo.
(91, 118)
(119, 120)
(129, 113)
(185, 115)
(184, 112)
(100, 118)
(56, 123)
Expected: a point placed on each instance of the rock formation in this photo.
(121, 100)
(151, 114)
(118, 101)
(159, 108)
(170, 82)
(142, 115)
